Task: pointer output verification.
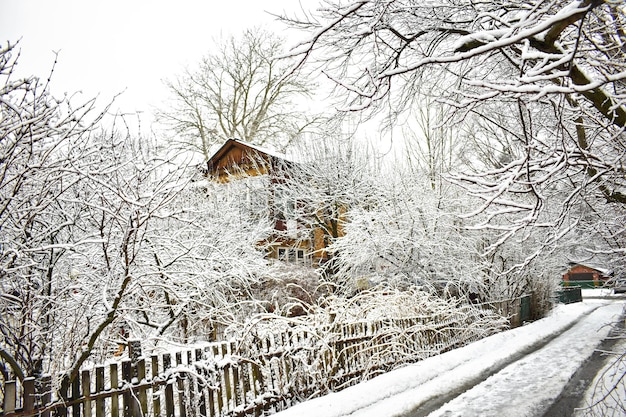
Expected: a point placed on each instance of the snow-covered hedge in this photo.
(349, 340)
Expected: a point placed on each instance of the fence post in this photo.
(191, 387)
(115, 403)
(28, 395)
(86, 381)
(156, 393)
(100, 388)
(213, 390)
(180, 384)
(76, 394)
(9, 396)
(134, 406)
(238, 398)
(140, 405)
(220, 383)
(127, 396)
(200, 384)
(226, 373)
(169, 387)
(257, 383)
(46, 394)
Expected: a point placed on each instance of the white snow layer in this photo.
(523, 388)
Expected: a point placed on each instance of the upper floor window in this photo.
(284, 205)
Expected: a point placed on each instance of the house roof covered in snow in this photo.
(590, 265)
(237, 152)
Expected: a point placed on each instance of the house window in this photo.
(284, 206)
(293, 255)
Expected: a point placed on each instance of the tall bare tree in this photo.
(241, 91)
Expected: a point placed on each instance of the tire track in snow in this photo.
(530, 384)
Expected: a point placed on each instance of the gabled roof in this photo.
(589, 265)
(237, 152)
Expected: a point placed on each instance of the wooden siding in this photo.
(236, 156)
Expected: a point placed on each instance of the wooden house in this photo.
(292, 242)
(585, 276)
(237, 158)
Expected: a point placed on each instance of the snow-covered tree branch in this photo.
(540, 82)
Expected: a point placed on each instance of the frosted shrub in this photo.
(348, 340)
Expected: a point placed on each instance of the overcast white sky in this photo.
(106, 47)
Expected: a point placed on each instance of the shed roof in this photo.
(590, 265)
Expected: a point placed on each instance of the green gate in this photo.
(524, 308)
(568, 295)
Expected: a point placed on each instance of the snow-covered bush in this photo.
(289, 289)
(411, 235)
(347, 340)
(208, 251)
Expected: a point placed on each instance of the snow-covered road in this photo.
(515, 373)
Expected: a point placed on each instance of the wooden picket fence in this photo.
(257, 376)
(209, 380)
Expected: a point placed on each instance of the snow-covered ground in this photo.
(519, 372)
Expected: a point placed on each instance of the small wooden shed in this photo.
(585, 276)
